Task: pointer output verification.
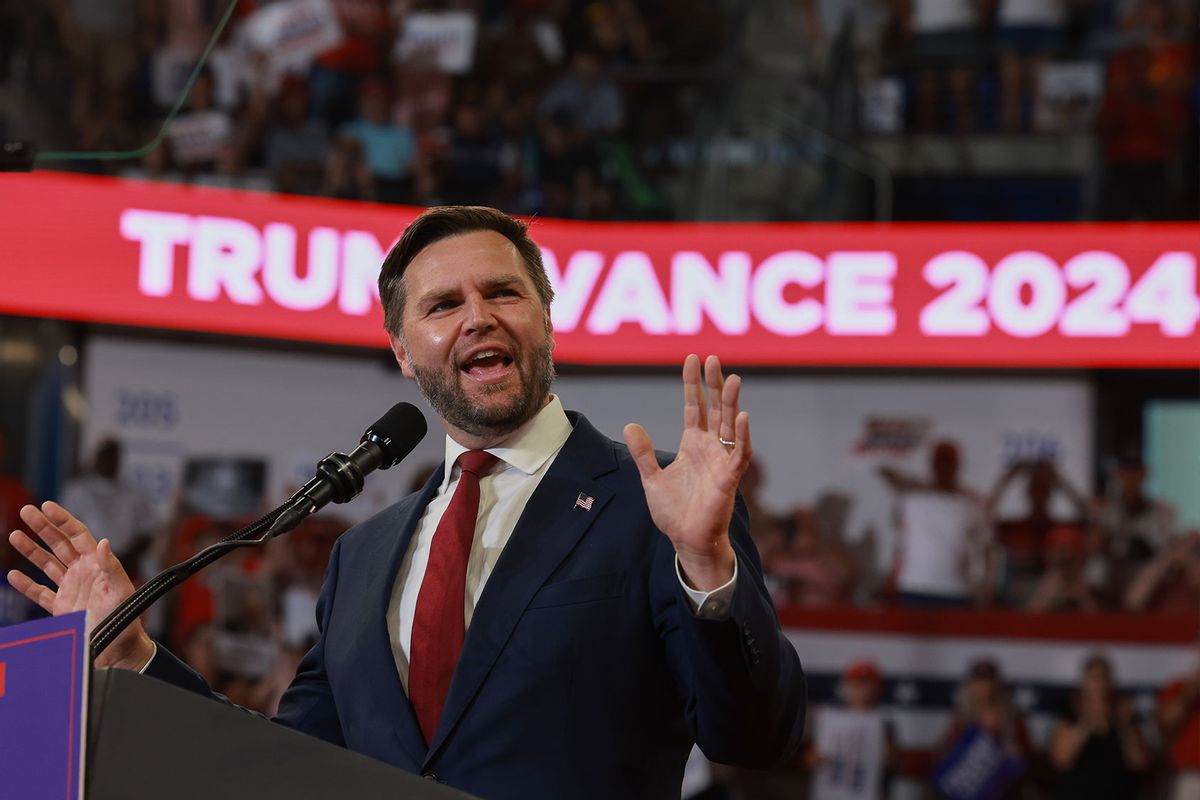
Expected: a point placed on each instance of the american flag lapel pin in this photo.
(584, 501)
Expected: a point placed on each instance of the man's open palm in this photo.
(691, 500)
(86, 574)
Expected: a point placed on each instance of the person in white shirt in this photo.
(942, 557)
(105, 501)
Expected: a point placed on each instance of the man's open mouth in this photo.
(488, 366)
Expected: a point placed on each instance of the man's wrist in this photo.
(705, 573)
(138, 657)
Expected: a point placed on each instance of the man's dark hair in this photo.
(444, 222)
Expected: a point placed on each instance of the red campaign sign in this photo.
(777, 294)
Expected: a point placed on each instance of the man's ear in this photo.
(550, 328)
(401, 355)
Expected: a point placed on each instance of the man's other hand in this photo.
(87, 577)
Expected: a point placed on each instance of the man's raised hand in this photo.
(691, 500)
(87, 577)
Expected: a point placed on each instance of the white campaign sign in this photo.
(292, 33)
(444, 38)
(851, 745)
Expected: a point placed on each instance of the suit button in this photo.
(429, 776)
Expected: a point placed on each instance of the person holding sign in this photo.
(854, 752)
(554, 614)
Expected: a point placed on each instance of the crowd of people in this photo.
(1118, 551)
(537, 107)
(1098, 746)
(579, 109)
(1121, 550)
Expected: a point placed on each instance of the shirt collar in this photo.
(530, 447)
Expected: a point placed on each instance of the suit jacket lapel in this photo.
(389, 691)
(548, 530)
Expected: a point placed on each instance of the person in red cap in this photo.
(1064, 586)
(853, 752)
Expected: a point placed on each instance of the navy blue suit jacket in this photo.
(584, 672)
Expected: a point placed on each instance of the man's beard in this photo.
(442, 388)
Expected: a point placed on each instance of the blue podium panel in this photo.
(43, 683)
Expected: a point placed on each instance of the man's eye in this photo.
(506, 293)
(444, 305)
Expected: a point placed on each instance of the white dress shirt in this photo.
(503, 494)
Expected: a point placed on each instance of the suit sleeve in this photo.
(307, 705)
(740, 678)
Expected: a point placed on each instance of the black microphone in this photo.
(340, 476)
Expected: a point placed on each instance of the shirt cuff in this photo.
(709, 605)
(142, 671)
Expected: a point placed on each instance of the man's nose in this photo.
(479, 316)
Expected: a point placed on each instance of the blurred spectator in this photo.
(946, 43)
(390, 149)
(475, 163)
(1064, 586)
(814, 569)
(591, 101)
(567, 167)
(766, 527)
(202, 130)
(985, 718)
(1097, 748)
(1179, 720)
(112, 507)
(1144, 116)
(100, 37)
(347, 174)
(942, 541)
(423, 100)
(295, 145)
(1170, 582)
(617, 32)
(1135, 526)
(1028, 32)
(853, 753)
(367, 36)
(1024, 538)
(299, 574)
(522, 194)
(523, 52)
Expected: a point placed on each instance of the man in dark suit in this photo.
(554, 614)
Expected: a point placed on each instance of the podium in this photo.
(148, 739)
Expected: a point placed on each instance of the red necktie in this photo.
(438, 623)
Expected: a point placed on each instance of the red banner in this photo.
(1029, 295)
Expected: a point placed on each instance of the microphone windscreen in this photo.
(397, 432)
